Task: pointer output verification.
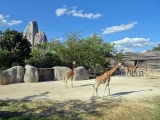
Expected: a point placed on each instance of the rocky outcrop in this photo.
(14, 75)
(60, 72)
(31, 31)
(32, 34)
(2, 79)
(40, 38)
(31, 75)
(80, 73)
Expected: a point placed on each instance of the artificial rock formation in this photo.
(31, 75)
(14, 75)
(2, 79)
(32, 34)
(60, 72)
(80, 73)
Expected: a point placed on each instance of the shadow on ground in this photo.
(85, 85)
(72, 109)
(130, 92)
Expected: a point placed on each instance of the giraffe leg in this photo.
(104, 90)
(108, 86)
(72, 81)
(95, 88)
(108, 89)
(93, 92)
(97, 93)
(66, 82)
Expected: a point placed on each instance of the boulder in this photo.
(60, 72)
(10, 75)
(19, 75)
(40, 38)
(30, 32)
(2, 79)
(14, 74)
(80, 73)
(31, 74)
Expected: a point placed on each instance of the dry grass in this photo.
(147, 109)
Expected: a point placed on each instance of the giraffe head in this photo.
(74, 62)
(119, 64)
(138, 63)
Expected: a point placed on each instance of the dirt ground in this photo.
(121, 87)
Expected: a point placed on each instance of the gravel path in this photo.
(121, 88)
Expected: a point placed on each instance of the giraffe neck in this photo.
(73, 68)
(136, 66)
(110, 72)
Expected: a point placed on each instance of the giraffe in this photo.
(134, 69)
(104, 78)
(145, 72)
(126, 68)
(70, 74)
(130, 70)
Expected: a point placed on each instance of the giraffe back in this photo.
(102, 78)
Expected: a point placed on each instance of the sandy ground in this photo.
(121, 87)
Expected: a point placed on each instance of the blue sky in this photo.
(133, 25)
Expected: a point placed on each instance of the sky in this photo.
(132, 25)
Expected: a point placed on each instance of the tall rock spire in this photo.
(31, 31)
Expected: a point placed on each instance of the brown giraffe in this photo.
(134, 69)
(126, 69)
(104, 78)
(130, 70)
(145, 72)
(70, 74)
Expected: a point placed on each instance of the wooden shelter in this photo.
(150, 59)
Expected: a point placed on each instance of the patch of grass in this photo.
(156, 101)
(146, 109)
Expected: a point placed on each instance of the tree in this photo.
(70, 50)
(90, 52)
(157, 48)
(97, 52)
(16, 48)
(119, 56)
(43, 56)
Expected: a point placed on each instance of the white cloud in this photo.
(72, 11)
(58, 39)
(61, 11)
(4, 22)
(127, 44)
(122, 27)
